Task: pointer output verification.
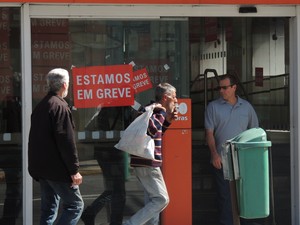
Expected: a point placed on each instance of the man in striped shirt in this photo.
(148, 171)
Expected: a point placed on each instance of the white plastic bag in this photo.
(135, 140)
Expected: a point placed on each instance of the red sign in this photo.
(103, 85)
(6, 83)
(141, 81)
(211, 29)
(229, 31)
(4, 37)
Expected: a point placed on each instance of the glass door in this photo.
(157, 47)
(256, 52)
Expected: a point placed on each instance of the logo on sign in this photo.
(182, 110)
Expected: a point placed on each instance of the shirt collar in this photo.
(238, 102)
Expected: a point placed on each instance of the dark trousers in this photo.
(223, 198)
(112, 163)
(10, 162)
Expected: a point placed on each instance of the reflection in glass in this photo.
(255, 51)
(174, 51)
(157, 46)
(10, 118)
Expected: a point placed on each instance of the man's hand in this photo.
(216, 160)
(76, 179)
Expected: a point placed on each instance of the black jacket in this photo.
(52, 152)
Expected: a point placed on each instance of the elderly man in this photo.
(52, 153)
(147, 170)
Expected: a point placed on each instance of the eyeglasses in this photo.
(225, 87)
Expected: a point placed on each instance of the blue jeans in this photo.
(156, 196)
(72, 203)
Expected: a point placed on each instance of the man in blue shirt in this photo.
(225, 118)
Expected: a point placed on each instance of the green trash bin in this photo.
(250, 160)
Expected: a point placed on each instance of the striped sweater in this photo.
(156, 128)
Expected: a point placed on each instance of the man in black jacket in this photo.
(52, 153)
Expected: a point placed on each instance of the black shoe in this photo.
(88, 219)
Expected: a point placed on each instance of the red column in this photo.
(177, 167)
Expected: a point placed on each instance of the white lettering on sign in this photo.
(5, 90)
(159, 79)
(4, 14)
(56, 55)
(4, 57)
(5, 79)
(39, 77)
(94, 79)
(40, 44)
(36, 55)
(3, 45)
(141, 84)
(153, 68)
(113, 93)
(84, 94)
(5, 85)
(49, 22)
(51, 55)
(4, 26)
(39, 88)
(139, 77)
(182, 118)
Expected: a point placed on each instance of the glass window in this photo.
(256, 52)
(190, 54)
(159, 47)
(10, 118)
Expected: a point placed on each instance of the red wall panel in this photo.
(271, 2)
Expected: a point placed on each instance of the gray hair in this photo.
(56, 78)
(162, 89)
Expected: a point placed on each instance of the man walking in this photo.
(148, 171)
(52, 153)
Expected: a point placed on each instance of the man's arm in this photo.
(65, 138)
(215, 157)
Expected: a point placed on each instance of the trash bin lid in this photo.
(254, 145)
(250, 135)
